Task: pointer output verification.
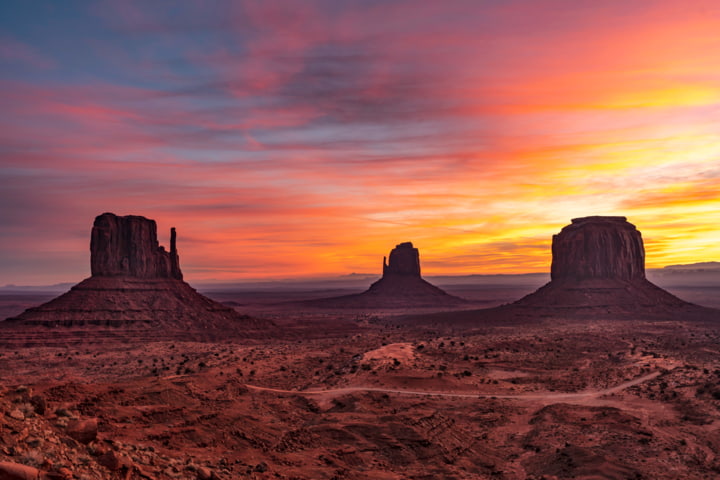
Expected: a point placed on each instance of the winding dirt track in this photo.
(527, 396)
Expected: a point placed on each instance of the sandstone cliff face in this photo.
(401, 286)
(136, 288)
(598, 247)
(598, 269)
(128, 246)
(404, 260)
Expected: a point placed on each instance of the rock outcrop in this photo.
(128, 246)
(598, 247)
(599, 263)
(136, 286)
(404, 260)
(597, 272)
(401, 286)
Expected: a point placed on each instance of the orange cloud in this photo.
(308, 140)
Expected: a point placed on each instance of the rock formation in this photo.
(404, 260)
(401, 286)
(598, 247)
(597, 272)
(136, 285)
(128, 246)
(598, 263)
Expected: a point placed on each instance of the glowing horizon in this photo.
(307, 139)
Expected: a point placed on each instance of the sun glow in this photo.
(303, 145)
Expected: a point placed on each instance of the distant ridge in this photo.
(700, 266)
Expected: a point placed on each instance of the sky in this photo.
(306, 138)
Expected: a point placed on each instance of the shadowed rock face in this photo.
(404, 260)
(136, 287)
(401, 286)
(598, 272)
(598, 247)
(598, 267)
(128, 246)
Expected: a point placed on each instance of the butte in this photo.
(136, 290)
(598, 263)
(597, 272)
(401, 286)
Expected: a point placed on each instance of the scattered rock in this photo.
(33, 442)
(63, 412)
(204, 473)
(39, 404)
(16, 471)
(84, 431)
(17, 414)
(114, 461)
(65, 473)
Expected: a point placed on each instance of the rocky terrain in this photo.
(557, 400)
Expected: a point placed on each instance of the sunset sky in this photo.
(307, 138)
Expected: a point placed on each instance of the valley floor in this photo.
(354, 396)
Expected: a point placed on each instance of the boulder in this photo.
(114, 461)
(39, 404)
(17, 471)
(84, 431)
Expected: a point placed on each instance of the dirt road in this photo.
(528, 396)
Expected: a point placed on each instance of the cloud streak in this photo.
(290, 139)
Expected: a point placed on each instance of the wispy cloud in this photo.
(303, 138)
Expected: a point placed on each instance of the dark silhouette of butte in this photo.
(137, 284)
(401, 286)
(599, 263)
(597, 271)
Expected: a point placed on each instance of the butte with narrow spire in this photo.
(136, 286)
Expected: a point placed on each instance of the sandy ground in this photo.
(351, 395)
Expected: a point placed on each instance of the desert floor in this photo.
(353, 394)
